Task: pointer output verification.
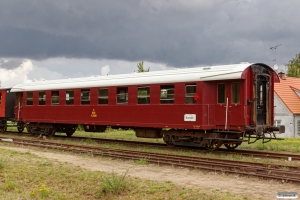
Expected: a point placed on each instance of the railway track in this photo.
(239, 152)
(262, 170)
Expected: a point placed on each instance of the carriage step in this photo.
(231, 132)
(223, 139)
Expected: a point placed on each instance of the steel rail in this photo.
(242, 152)
(273, 171)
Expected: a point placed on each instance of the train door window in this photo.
(235, 93)
(55, 97)
(167, 94)
(85, 97)
(103, 96)
(69, 97)
(42, 98)
(260, 99)
(0, 98)
(143, 95)
(221, 92)
(122, 95)
(190, 91)
(29, 98)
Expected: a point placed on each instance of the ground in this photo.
(246, 186)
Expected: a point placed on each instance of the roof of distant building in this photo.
(288, 91)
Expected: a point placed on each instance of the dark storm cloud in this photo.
(177, 33)
(10, 63)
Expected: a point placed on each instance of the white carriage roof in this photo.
(208, 73)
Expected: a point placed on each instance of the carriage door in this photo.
(2, 103)
(222, 109)
(19, 105)
(262, 93)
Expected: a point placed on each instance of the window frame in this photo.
(42, 99)
(189, 97)
(102, 100)
(236, 94)
(277, 122)
(223, 93)
(167, 88)
(56, 97)
(119, 100)
(143, 99)
(27, 99)
(84, 101)
(69, 99)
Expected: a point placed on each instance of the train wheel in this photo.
(168, 140)
(3, 129)
(232, 146)
(28, 130)
(52, 132)
(70, 133)
(214, 145)
(20, 127)
(3, 126)
(71, 130)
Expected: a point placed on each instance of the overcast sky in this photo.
(54, 39)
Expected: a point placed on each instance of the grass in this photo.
(113, 184)
(286, 145)
(117, 134)
(142, 161)
(27, 176)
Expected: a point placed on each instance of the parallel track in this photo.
(272, 171)
(240, 152)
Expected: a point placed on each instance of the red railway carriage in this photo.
(7, 102)
(205, 106)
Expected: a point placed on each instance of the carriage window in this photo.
(221, 93)
(235, 92)
(167, 94)
(143, 95)
(190, 91)
(103, 96)
(85, 97)
(42, 98)
(29, 98)
(69, 97)
(55, 97)
(0, 98)
(122, 95)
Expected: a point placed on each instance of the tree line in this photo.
(294, 66)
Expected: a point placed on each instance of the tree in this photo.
(140, 67)
(294, 67)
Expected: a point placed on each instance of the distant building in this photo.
(287, 105)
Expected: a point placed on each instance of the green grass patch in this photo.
(117, 134)
(286, 145)
(142, 161)
(113, 184)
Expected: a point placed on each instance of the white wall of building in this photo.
(297, 131)
(286, 117)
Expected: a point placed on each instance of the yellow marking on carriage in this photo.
(94, 114)
(196, 127)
